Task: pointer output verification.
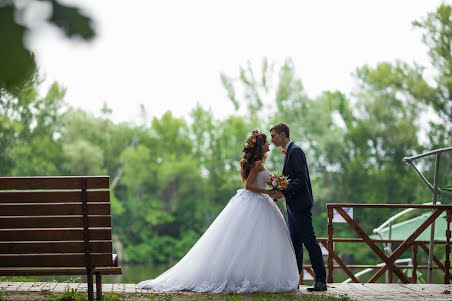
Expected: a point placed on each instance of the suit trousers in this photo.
(302, 233)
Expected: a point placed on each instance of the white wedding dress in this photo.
(246, 249)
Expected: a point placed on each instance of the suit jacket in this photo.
(299, 192)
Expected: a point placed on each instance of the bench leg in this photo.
(89, 276)
(98, 287)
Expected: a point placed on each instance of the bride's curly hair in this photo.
(252, 154)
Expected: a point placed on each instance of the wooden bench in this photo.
(57, 226)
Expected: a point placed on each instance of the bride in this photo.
(247, 248)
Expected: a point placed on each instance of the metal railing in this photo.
(388, 260)
(433, 188)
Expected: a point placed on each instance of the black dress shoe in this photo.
(317, 287)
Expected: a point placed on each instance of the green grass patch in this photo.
(73, 295)
(31, 279)
(17, 279)
(289, 296)
(68, 295)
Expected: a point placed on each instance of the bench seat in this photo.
(57, 226)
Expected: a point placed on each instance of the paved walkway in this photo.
(378, 292)
(355, 291)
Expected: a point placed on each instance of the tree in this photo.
(17, 62)
(217, 146)
(30, 130)
(437, 36)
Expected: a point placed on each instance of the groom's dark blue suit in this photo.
(299, 202)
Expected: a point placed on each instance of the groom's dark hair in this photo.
(281, 128)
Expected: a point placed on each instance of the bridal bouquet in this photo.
(277, 181)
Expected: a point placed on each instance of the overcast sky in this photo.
(168, 55)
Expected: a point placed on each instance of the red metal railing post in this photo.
(414, 275)
(330, 244)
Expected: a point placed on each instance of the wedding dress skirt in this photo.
(246, 249)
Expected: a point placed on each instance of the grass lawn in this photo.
(179, 296)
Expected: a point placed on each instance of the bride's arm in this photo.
(252, 176)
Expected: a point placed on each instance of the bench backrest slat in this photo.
(58, 196)
(50, 260)
(32, 247)
(36, 209)
(28, 183)
(53, 234)
(41, 222)
(73, 221)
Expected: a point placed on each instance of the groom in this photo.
(299, 202)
